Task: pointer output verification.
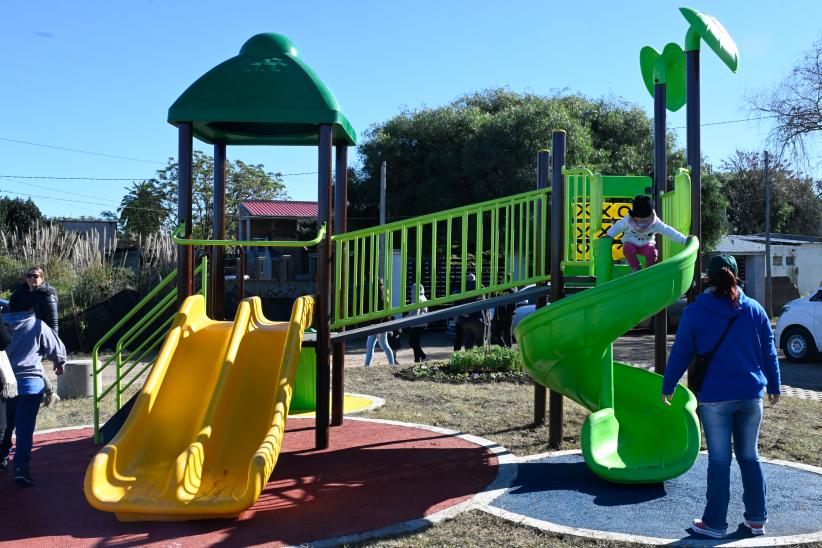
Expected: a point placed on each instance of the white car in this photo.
(799, 329)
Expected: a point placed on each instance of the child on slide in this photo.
(638, 230)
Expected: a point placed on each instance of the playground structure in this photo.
(163, 464)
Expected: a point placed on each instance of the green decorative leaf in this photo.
(667, 68)
(714, 34)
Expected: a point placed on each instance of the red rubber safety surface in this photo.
(373, 475)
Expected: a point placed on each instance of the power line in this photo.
(80, 151)
(9, 178)
(55, 198)
(54, 178)
(732, 121)
(51, 198)
(74, 178)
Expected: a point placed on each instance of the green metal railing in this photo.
(499, 240)
(131, 363)
(582, 189)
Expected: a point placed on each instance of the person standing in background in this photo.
(45, 297)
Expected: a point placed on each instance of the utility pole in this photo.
(768, 279)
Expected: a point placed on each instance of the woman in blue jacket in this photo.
(743, 367)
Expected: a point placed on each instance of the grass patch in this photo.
(477, 528)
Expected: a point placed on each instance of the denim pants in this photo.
(381, 338)
(724, 422)
(21, 414)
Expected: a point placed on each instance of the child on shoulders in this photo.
(638, 230)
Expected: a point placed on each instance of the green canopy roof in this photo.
(266, 95)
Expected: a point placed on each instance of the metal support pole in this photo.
(217, 292)
(383, 186)
(185, 254)
(323, 306)
(558, 211)
(543, 173)
(660, 168)
(694, 160)
(768, 278)
(340, 226)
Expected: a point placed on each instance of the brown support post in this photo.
(185, 255)
(340, 226)
(216, 295)
(555, 410)
(323, 306)
(543, 168)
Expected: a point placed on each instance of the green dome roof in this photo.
(266, 95)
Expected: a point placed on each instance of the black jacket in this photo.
(5, 336)
(45, 304)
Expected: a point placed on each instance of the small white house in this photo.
(797, 258)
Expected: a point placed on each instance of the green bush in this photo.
(481, 360)
(11, 273)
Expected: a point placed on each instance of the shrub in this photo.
(493, 359)
(478, 365)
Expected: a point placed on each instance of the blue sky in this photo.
(99, 76)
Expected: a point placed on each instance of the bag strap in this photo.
(710, 355)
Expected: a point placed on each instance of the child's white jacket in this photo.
(631, 233)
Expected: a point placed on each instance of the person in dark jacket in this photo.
(742, 369)
(45, 297)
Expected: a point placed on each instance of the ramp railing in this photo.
(141, 332)
(501, 242)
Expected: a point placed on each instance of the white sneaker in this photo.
(757, 529)
(702, 529)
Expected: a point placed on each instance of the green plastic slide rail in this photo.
(135, 349)
(178, 239)
(503, 240)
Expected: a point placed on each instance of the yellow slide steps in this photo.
(206, 429)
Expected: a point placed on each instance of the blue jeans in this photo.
(737, 420)
(381, 338)
(21, 413)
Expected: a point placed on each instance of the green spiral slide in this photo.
(631, 436)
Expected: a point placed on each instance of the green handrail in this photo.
(363, 256)
(150, 342)
(177, 239)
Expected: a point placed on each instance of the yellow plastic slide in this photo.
(206, 429)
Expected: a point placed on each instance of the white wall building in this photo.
(798, 258)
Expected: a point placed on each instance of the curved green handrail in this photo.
(177, 239)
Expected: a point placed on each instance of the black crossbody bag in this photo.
(700, 363)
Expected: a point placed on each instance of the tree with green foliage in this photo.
(796, 205)
(18, 215)
(150, 206)
(143, 210)
(714, 211)
(483, 146)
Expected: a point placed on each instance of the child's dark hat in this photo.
(642, 206)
